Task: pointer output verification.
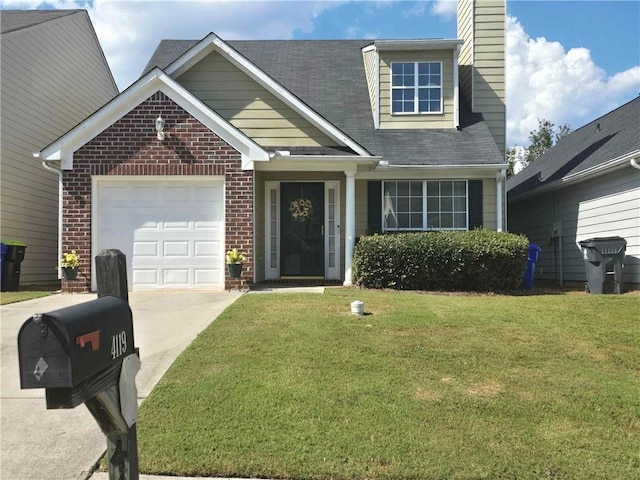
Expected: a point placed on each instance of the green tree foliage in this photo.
(540, 140)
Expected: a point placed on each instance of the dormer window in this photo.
(416, 87)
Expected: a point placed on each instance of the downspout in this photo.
(502, 173)
(58, 171)
(634, 164)
(456, 88)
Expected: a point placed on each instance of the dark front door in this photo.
(302, 224)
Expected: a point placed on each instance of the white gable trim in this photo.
(214, 43)
(154, 81)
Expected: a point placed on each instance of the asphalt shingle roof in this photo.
(585, 148)
(12, 20)
(329, 76)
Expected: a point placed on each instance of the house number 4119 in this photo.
(118, 344)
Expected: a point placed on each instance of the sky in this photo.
(569, 62)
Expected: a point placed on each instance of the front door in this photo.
(302, 229)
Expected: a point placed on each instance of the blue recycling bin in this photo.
(534, 251)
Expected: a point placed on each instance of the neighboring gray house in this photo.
(586, 186)
(54, 74)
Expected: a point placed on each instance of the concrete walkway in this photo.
(41, 444)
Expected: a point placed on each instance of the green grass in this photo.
(13, 297)
(423, 387)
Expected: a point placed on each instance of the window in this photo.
(416, 87)
(424, 205)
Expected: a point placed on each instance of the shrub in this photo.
(476, 260)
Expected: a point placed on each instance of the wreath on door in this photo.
(301, 209)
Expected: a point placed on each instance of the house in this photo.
(54, 75)
(287, 150)
(586, 186)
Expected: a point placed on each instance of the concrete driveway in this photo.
(41, 444)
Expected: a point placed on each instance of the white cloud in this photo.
(129, 31)
(445, 8)
(545, 81)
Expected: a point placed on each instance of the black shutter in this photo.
(475, 204)
(374, 207)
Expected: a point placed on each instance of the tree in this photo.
(540, 140)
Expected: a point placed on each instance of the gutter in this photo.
(499, 166)
(587, 174)
(54, 169)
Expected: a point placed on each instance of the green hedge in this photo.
(476, 260)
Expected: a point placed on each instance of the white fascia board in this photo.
(318, 163)
(588, 174)
(192, 56)
(419, 44)
(212, 42)
(156, 80)
(395, 172)
(487, 166)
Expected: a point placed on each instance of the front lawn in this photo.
(423, 387)
(13, 297)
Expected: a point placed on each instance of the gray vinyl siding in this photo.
(602, 207)
(54, 75)
(248, 106)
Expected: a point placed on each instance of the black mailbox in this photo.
(66, 347)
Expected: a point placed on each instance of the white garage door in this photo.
(172, 232)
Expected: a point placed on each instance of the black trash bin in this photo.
(11, 262)
(3, 250)
(604, 259)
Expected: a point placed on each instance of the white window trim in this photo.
(425, 227)
(416, 88)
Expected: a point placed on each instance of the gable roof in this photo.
(329, 77)
(154, 81)
(605, 142)
(12, 20)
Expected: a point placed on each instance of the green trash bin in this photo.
(15, 252)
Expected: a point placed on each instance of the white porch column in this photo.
(349, 226)
(500, 178)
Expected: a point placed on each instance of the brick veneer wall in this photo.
(130, 147)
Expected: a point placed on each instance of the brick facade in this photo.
(130, 147)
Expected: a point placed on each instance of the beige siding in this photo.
(489, 205)
(445, 120)
(362, 208)
(465, 56)
(248, 106)
(489, 66)
(481, 23)
(601, 207)
(54, 75)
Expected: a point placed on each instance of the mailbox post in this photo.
(86, 354)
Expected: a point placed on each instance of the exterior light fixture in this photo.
(160, 127)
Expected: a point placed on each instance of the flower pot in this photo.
(234, 269)
(69, 273)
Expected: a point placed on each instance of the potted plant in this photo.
(69, 265)
(235, 260)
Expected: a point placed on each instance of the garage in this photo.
(170, 229)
